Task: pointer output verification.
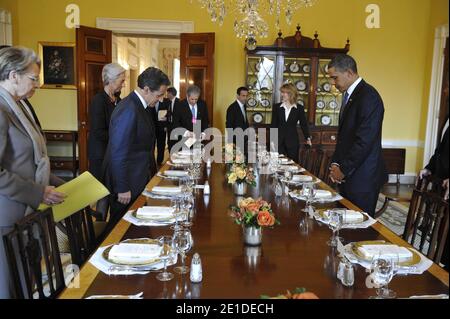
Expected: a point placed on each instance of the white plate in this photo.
(326, 87)
(294, 67)
(252, 102)
(258, 118)
(325, 120)
(265, 103)
(301, 102)
(333, 105)
(320, 104)
(306, 68)
(301, 85)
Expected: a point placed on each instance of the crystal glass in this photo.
(383, 269)
(309, 192)
(182, 240)
(167, 254)
(187, 207)
(175, 204)
(335, 222)
(288, 175)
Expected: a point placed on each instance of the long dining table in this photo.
(293, 254)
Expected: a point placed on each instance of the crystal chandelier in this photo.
(249, 23)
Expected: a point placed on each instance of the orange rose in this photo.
(265, 219)
(305, 295)
(253, 208)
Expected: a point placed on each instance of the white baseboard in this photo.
(407, 178)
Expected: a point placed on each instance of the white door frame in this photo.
(138, 26)
(434, 103)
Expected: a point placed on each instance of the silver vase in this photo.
(252, 236)
(240, 189)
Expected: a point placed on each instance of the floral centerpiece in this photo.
(253, 214)
(239, 175)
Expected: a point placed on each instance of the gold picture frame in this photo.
(58, 65)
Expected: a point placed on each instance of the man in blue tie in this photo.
(357, 164)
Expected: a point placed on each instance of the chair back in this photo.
(427, 223)
(33, 257)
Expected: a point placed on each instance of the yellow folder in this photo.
(81, 192)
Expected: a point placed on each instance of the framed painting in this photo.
(57, 65)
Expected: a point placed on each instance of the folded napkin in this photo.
(321, 194)
(137, 296)
(184, 153)
(369, 251)
(181, 160)
(134, 253)
(350, 216)
(176, 173)
(167, 189)
(284, 160)
(302, 178)
(289, 167)
(154, 212)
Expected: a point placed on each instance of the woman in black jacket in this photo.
(100, 110)
(285, 117)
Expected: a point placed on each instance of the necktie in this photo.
(344, 103)
(243, 113)
(194, 115)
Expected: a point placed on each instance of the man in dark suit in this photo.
(160, 118)
(357, 163)
(191, 115)
(237, 118)
(130, 161)
(174, 101)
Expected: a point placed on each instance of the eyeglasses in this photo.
(33, 78)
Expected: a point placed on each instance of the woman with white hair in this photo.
(25, 176)
(100, 110)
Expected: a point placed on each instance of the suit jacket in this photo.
(287, 130)
(130, 161)
(438, 164)
(182, 116)
(170, 111)
(235, 118)
(33, 113)
(100, 112)
(358, 150)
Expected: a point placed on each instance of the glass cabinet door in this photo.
(328, 98)
(260, 82)
(298, 72)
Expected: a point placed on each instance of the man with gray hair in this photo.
(357, 164)
(190, 113)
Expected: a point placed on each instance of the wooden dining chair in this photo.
(427, 218)
(80, 231)
(33, 257)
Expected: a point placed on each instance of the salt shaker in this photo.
(348, 276)
(196, 273)
(206, 189)
(208, 163)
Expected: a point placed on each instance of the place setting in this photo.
(310, 194)
(163, 192)
(134, 257)
(173, 174)
(151, 216)
(351, 219)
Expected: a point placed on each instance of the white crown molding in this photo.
(135, 26)
(403, 143)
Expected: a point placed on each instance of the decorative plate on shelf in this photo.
(252, 102)
(301, 102)
(284, 68)
(301, 85)
(265, 103)
(320, 104)
(258, 66)
(326, 87)
(306, 68)
(333, 105)
(258, 118)
(325, 120)
(294, 67)
(325, 68)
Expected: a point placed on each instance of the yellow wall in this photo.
(396, 58)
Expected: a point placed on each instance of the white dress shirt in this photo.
(353, 87)
(242, 109)
(287, 110)
(144, 104)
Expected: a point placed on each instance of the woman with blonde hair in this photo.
(285, 116)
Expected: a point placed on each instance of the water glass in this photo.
(167, 254)
(383, 269)
(182, 241)
(335, 222)
(309, 192)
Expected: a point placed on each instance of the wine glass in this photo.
(167, 254)
(309, 192)
(182, 240)
(187, 207)
(288, 175)
(383, 269)
(335, 222)
(175, 205)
